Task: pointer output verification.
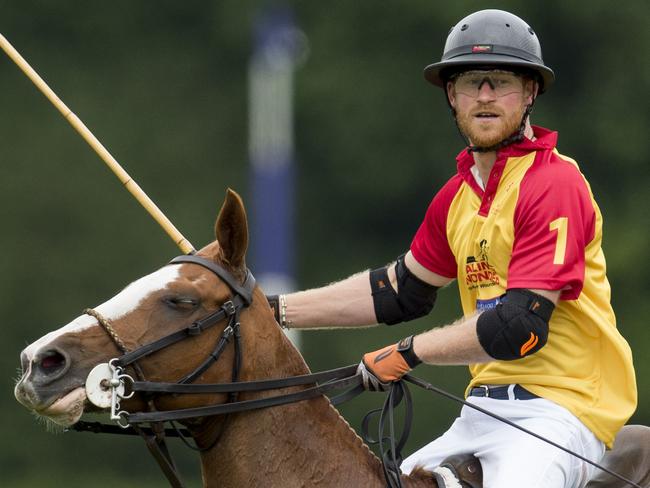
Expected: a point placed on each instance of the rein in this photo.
(325, 381)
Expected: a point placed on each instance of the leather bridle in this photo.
(230, 310)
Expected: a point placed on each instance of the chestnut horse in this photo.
(301, 444)
(306, 443)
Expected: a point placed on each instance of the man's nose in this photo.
(486, 91)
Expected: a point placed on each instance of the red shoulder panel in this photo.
(430, 246)
(554, 221)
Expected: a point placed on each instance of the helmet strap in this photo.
(462, 135)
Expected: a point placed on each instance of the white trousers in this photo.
(511, 458)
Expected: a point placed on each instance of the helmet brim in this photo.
(433, 72)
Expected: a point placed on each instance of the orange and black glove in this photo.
(379, 368)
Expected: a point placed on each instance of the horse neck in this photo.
(293, 445)
(301, 444)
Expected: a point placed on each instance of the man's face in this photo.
(489, 103)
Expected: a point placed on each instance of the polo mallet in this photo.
(97, 146)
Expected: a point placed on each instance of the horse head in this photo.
(56, 366)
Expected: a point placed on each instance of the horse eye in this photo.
(181, 303)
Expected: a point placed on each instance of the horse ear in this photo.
(231, 230)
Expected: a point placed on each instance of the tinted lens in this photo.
(502, 82)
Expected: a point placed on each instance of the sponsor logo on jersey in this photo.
(479, 273)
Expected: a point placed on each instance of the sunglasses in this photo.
(503, 83)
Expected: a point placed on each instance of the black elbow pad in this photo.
(516, 327)
(414, 299)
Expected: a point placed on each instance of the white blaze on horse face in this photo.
(129, 298)
(118, 306)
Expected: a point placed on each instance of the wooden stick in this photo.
(97, 146)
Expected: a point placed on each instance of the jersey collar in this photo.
(545, 139)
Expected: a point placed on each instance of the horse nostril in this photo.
(51, 362)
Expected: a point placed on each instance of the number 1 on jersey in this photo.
(561, 225)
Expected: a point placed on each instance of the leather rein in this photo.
(154, 436)
(318, 384)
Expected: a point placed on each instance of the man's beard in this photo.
(507, 126)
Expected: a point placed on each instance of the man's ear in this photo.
(451, 94)
(531, 90)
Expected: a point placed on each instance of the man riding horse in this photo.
(518, 228)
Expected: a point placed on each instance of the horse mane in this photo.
(354, 432)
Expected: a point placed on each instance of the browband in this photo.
(245, 290)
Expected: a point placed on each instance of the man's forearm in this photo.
(346, 303)
(453, 344)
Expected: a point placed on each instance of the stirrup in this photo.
(459, 471)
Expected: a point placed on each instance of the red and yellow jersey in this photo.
(536, 226)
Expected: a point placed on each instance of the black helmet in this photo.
(491, 38)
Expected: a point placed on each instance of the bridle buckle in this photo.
(228, 332)
(229, 308)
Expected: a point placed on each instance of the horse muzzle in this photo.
(47, 389)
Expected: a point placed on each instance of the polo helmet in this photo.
(491, 38)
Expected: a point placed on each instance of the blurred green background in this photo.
(163, 85)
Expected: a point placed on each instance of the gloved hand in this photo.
(379, 368)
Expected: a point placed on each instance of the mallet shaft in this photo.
(97, 146)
